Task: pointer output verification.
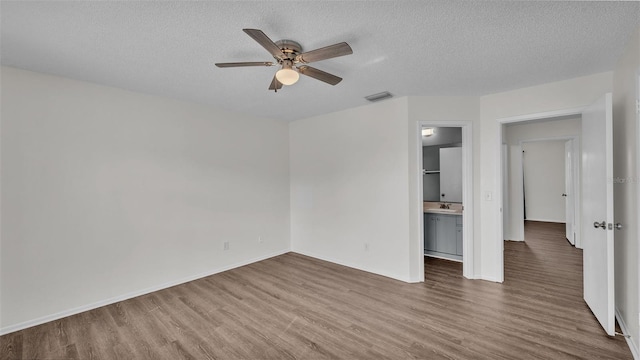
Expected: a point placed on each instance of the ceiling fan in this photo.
(288, 54)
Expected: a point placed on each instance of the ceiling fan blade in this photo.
(240, 64)
(319, 75)
(262, 39)
(326, 52)
(275, 84)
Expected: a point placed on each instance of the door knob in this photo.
(618, 226)
(602, 225)
(564, 195)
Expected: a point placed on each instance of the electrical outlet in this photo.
(226, 245)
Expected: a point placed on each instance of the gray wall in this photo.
(431, 145)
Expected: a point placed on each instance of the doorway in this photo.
(554, 143)
(442, 192)
(542, 183)
(429, 177)
(597, 196)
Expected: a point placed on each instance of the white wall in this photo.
(108, 193)
(349, 187)
(559, 95)
(355, 179)
(514, 134)
(544, 180)
(625, 167)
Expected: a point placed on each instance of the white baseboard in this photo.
(443, 257)
(331, 260)
(59, 315)
(490, 278)
(630, 341)
(547, 220)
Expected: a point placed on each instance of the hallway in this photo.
(538, 312)
(547, 270)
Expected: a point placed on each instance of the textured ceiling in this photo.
(405, 47)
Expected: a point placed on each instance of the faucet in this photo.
(444, 206)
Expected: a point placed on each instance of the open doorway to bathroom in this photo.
(445, 187)
(430, 132)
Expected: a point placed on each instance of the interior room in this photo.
(257, 179)
(442, 192)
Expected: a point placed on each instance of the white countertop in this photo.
(433, 207)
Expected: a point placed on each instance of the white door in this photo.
(451, 174)
(568, 191)
(597, 210)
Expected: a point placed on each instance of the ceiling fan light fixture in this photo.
(287, 76)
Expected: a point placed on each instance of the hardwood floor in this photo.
(296, 307)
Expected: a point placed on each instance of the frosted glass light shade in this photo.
(427, 131)
(287, 76)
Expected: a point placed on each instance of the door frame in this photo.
(572, 182)
(575, 180)
(637, 184)
(501, 122)
(467, 193)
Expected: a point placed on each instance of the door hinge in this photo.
(637, 106)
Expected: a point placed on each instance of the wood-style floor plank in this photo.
(296, 307)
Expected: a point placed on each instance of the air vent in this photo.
(379, 96)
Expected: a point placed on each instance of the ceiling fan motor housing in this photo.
(289, 48)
